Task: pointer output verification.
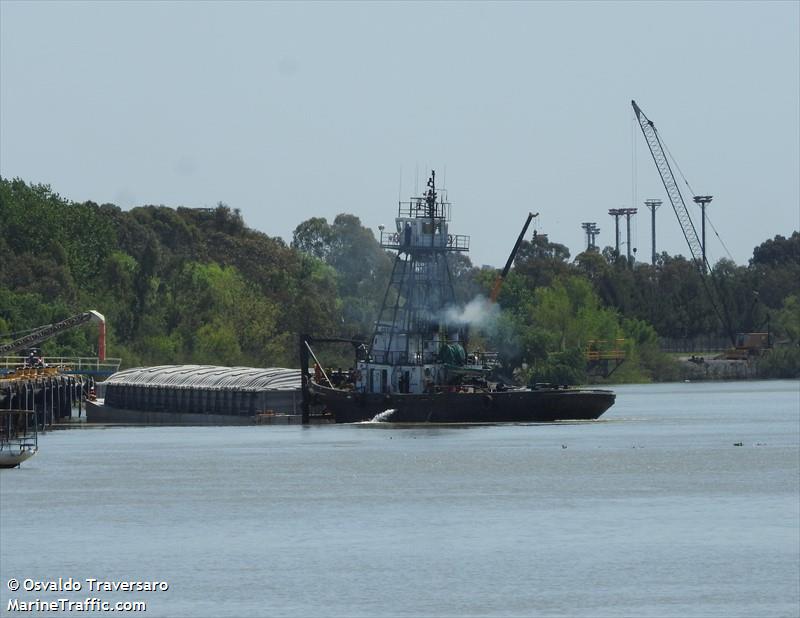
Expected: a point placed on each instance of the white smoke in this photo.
(480, 311)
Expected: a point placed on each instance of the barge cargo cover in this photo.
(198, 394)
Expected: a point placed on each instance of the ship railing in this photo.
(449, 242)
(91, 365)
(601, 349)
(486, 359)
(18, 429)
(417, 208)
(483, 359)
(402, 358)
(395, 358)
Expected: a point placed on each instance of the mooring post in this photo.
(306, 396)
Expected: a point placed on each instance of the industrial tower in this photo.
(591, 229)
(627, 213)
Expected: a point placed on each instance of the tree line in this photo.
(197, 285)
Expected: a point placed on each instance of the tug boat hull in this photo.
(511, 406)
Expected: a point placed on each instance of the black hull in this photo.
(521, 406)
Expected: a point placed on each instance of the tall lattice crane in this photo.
(673, 192)
(679, 206)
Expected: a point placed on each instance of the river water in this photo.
(651, 511)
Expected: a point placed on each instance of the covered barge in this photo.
(199, 395)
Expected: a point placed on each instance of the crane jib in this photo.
(685, 220)
(50, 330)
(670, 185)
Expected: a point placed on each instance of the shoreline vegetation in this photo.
(196, 285)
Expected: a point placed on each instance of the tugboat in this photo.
(416, 369)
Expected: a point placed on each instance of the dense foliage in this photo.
(198, 286)
(176, 285)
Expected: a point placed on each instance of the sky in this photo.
(289, 111)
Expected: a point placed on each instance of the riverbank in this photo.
(780, 363)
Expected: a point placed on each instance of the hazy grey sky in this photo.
(289, 111)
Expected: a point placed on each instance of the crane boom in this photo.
(498, 282)
(679, 206)
(51, 330)
(674, 193)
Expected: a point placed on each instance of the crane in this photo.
(679, 206)
(498, 282)
(43, 333)
(673, 192)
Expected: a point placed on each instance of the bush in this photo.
(781, 362)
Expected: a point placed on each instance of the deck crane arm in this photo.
(51, 330)
(679, 206)
(498, 282)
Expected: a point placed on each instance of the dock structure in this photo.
(604, 357)
(75, 365)
(48, 393)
